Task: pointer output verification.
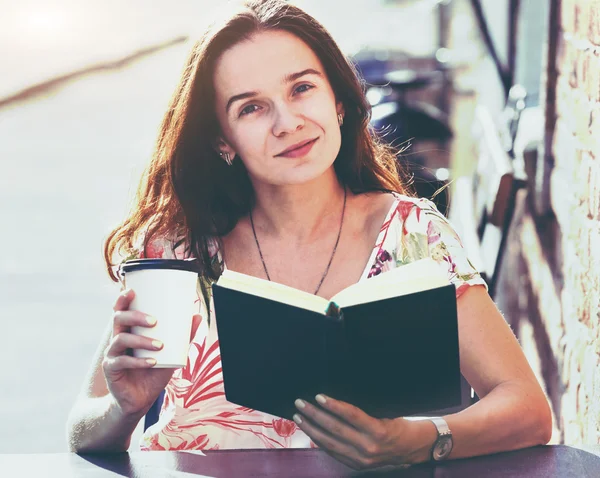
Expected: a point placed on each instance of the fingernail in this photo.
(321, 399)
(150, 320)
(299, 403)
(151, 361)
(297, 419)
(157, 344)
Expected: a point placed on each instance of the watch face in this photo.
(442, 448)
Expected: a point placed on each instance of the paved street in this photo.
(69, 163)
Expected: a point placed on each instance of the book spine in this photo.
(336, 352)
(334, 311)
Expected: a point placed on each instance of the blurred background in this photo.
(497, 98)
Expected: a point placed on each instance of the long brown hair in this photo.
(188, 193)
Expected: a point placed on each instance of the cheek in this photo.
(324, 115)
(321, 110)
(321, 114)
(251, 138)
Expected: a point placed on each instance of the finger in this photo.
(124, 299)
(337, 448)
(122, 303)
(124, 319)
(123, 362)
(349, 413)
(332, 424)
(124, 341)
(196, 320)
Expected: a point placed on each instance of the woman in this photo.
(265, 165)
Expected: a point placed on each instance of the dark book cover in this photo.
(392, 357)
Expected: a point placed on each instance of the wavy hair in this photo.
(188, 192)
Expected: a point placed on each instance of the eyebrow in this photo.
(287, 79)
(294, 76)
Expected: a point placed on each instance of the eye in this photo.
(249, 109)
(303, 88)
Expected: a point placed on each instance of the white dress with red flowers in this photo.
(195, 414)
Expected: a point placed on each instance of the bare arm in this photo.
(513, 411)
(119, 389)
(96, 422)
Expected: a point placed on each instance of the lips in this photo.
(297, 147)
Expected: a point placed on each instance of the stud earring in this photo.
(227, 158)
(340, 119)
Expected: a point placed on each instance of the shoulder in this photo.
(159, 247)
(415, 216)
(413, 213)
(415, 205)
(168, 246)
(393, 214)
(373, 207)
(421, 231)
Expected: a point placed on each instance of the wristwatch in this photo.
(443, 445)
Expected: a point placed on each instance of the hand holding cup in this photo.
(132, 381)
(152, 330)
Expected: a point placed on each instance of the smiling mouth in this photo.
(299, 147)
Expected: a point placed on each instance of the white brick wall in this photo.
(570, 310)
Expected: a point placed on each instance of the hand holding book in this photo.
(355, 438)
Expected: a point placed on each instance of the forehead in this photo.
(261, 61)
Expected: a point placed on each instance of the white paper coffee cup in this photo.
(166, 289)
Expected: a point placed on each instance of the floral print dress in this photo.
(195, 413)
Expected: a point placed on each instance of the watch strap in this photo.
(441, 425)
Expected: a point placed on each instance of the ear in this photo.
(222, 146)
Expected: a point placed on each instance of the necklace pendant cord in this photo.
(330, 258)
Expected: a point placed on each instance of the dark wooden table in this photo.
(547, 461)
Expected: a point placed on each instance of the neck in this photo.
(299, 213)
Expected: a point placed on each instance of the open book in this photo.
(388, 345)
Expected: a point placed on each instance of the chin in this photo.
(305, 173)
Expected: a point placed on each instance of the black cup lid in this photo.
(190, 265)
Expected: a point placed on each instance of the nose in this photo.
(286, 121)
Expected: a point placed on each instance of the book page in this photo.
(273, 291)
(417, 276)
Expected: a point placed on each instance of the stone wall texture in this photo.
(561, 300)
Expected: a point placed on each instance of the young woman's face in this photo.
(272, 96)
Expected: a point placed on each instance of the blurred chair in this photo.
(482, 205)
